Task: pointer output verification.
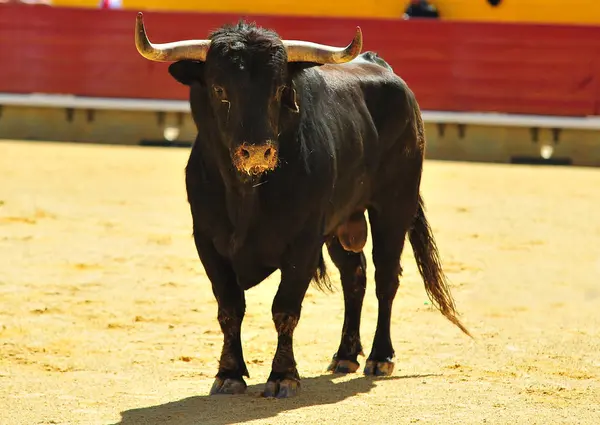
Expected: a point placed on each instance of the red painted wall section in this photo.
(452, 66)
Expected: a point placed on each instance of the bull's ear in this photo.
(187, 72)
(289, 99)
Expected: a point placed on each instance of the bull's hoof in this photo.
(342, 366)
(228, 386)
(375, 368)
(285, 388)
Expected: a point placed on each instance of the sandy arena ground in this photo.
(106, 315)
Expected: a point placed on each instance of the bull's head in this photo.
(243, 74)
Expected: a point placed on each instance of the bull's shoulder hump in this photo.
(358, 72)
(355, 67)
(365, 74)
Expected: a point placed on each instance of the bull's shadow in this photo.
(224, 410)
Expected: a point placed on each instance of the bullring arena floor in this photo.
(106, 315)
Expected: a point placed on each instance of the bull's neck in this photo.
(241, 197)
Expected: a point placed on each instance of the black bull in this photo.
(294, 145)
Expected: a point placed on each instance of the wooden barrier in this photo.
(451, 66)
(450, 135)
(98, 89)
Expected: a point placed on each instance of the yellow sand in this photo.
(106, 315)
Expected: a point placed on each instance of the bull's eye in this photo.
(219, 92)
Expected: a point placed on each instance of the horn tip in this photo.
(358, 32)
(356, 45)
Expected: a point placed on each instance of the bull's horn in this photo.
(305, 51)
(168, 52)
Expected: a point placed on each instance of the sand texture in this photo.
(107, 316)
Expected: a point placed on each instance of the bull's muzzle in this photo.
(255, 159)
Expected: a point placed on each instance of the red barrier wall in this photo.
(454, 66)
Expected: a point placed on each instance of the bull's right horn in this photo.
(306, 51)
(168, 52)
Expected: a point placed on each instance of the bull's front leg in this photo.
(284, 380)
(231, 309)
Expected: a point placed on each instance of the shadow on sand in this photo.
(223, 410)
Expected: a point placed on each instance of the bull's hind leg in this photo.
(353, 268)
(388, 227)
(232, 305)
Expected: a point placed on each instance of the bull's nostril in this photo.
(268, 153)
(245, 153)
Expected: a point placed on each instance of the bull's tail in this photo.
(429, 264)
(321, 278)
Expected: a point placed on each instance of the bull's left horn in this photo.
(305, 51)
(168, 52)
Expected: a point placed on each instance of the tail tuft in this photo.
(429, 264)
(321, 278)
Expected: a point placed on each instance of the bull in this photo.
(296, 141)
